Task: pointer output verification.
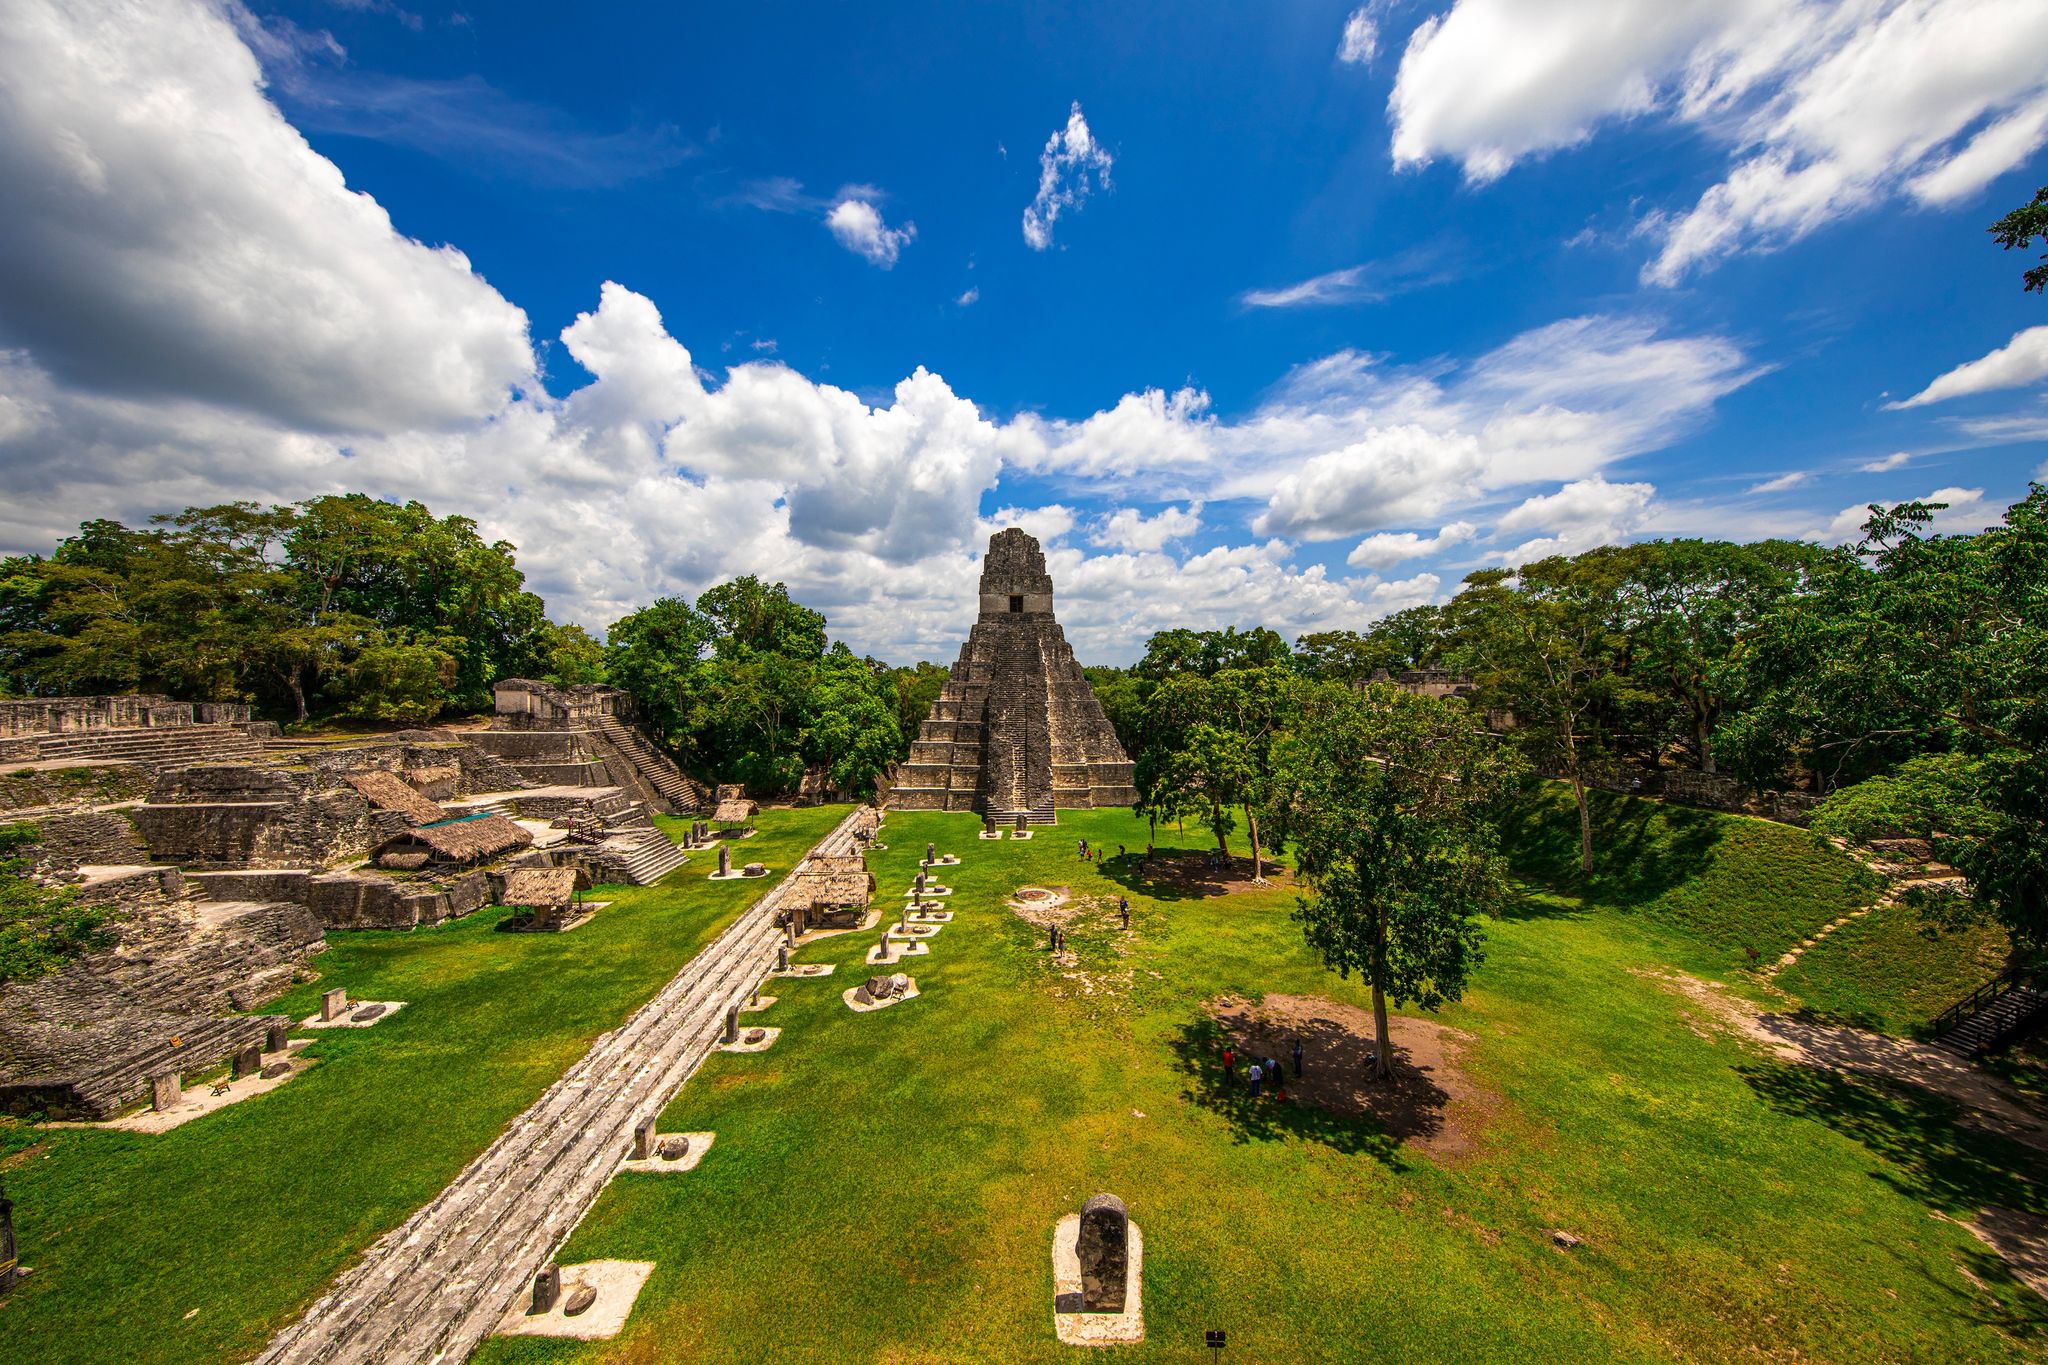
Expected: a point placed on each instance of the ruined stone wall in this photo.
(375, 901)
(77, 715)
(71, 838)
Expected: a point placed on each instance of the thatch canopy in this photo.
(735, 811)
(397, 861)
(387, 791)
(543, 887)
(833, 880)
(471, 839)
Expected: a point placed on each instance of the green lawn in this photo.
(1884, 971)
(884, 1186)
(197, 1244)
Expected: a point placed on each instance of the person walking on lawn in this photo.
(1297, 1059)
(1123, 906)
(1229, 1064)
(1252, 1076)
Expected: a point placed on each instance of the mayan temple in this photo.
(1017, 730)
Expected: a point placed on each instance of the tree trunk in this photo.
(1382, 1045)
(298, 687)
(1258, 863)
(1585, 826)
(1705, 735)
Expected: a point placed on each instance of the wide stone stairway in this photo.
(433, 1288)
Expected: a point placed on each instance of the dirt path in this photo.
(1987, 1102)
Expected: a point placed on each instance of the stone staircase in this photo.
(160, 746)
(1992, 1015)
(436, 1286)
(664, 776)
(650, 856)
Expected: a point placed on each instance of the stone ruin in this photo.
(879, 988)
(1017, 733)
(230, 851)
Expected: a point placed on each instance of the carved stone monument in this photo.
(333, 1004)
(643, 1138)
(163, 1091)
(248, 1061)
(1017, 730)
(732, 1024)
(547, 1288)
(276, 1038)
(1105, 1256)
(725, 860)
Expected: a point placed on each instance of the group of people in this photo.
(1059, 934)
(1262, 1072)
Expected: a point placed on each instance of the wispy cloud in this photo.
(1372, 282)
(1898, 459)
(464, 120)
(1781, 483)
(969, 297)
(1071, 157)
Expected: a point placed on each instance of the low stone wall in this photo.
(71, 838)
(78, 715)
(349, 901)
(287, 885)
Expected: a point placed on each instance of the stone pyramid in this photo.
(1017, 730)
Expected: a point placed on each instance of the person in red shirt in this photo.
(1229, 1061)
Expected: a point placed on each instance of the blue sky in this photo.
(1283, 315)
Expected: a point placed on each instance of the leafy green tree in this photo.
(1912, 645)
(572, 656)
(652, 654)
(1218, 734)
(1123, 694)
(1210, 651)
(1543, 645)
(2017, 231)
(850, 723)
(748, 616)
(1393, 800)
(1689, 609)
(917, 688)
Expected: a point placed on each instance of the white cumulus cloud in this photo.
(1129, 529)
(857, 225)
(1072, 157)
(1389, 548)
(1360, 42)
(1824, 106)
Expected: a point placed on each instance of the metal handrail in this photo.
(1981, 999)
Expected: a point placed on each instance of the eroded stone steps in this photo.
(434, 1287)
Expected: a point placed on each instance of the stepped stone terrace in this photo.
(1017, 732)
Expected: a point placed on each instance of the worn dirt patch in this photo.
(1430, 1105)
(1987, 1102)
(1196, 874)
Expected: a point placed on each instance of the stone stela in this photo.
(1016, 733)
(1105, 1254)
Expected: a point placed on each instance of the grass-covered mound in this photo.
(1746, 889)
(197, 1244)
(1885, 972)
(884, 1186)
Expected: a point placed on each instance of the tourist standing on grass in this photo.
(1121, 854)
(1229, 1063)
(1252, 1077)
(1084, 850)
(1297, 1059)
(1123, 907)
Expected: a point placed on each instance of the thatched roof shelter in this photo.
(536, 888)
(469, 839)
(735, 810)
(388, 791)
(833, 881)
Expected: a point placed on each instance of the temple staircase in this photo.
(663, 775)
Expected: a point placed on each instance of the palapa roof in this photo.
(735, 810)
(542, 886)
(463, 841)
(387, 791)
(827, 879)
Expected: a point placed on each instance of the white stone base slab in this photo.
(742, 1045)
(878, 848)
(700, 1143)
(1094, 1329)
(917, 931)
(755, 1006)
(736, 875)
(199, 1100)
(943, 860)
(618, 1284)
(909, 993)
(986, 835)
(929, 893)
(807, 969)
(889, 950)
(347, 1020)
(1020, 834)
(931, 917)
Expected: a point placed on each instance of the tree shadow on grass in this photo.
(1189, 874)
(1641, 848)
(1410, 1107)
(1932, 1157)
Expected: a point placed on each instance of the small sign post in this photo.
(1213, 1339)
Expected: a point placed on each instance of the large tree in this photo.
(1392, 799)
(1215, 737)
(1543, 644)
